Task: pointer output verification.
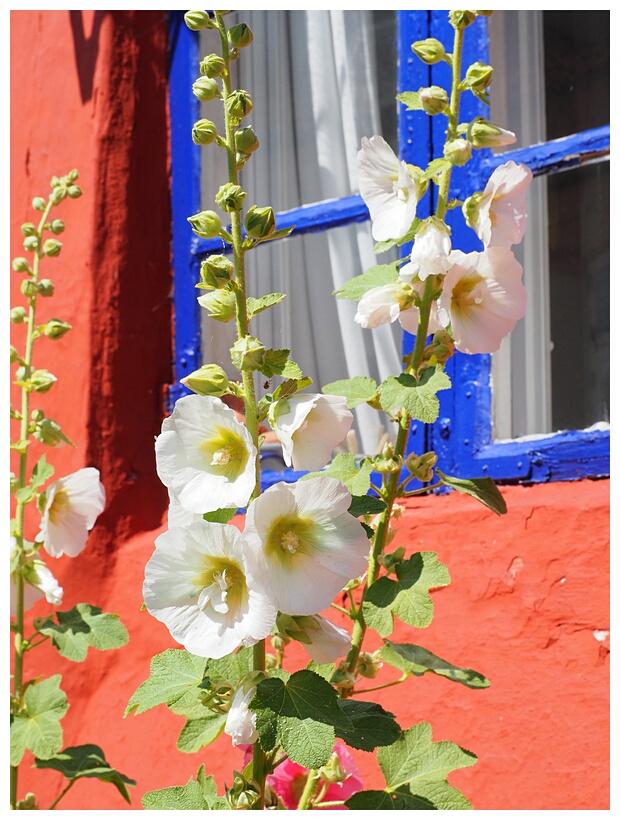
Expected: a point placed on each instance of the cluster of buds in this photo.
(243, 793)
(421, 467)
(369, 664)
(219, 698)
(388, 461)
(439, 350)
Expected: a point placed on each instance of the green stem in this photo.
(422, 490)
(327, 804)
(381, 686)
(61, 795)
(453, 120)
(309, 790)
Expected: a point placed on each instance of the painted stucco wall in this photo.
(529, 600)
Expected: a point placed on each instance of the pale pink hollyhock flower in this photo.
(430, 254)
(328, 641)
(241, 721)
(388, 188)
(197, 582)
(303, 541)
(309, 427)
(288, 780)
(483, 298)
(71, 509)
(38, 582)
(501, 217)
(383, 304)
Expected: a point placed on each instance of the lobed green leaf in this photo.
(174, 678)
(419, 398)
(199, 794)
(344, 467)
(38, 727)
(372, 725)
(356, 391)
(87, 761)
(82, 627)
(399, 800)
(366, 505)
(374, 277)
(411, 99)
(200, 732)
(255, 306)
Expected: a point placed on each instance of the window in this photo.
(463, 434)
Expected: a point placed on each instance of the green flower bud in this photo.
(333, 772)
(248, 353)
(213, 66)
(38, 203)
(434, 99)
(369, 665)
(430, 51)
(57, 226)
(196, 20)
(458, 151)
(18, 315)
(246, 141)
(46, 287)
(461, 19)
(239, 104)
(205, 88)
(47, 431)
(230, 197)
(58, 194)
(29, 229)
(37, 415)
(14, 483)
(204, 132)
(29, 802)
(388, 461)
(391, 559)
(208, 380)
(219, 304)
(31, 244)
(42, 380)
(240, 36)
(14, 354)
(479, 76)
(422, 466)
(470, 209)
(74, 191)
(56, 329)
(206, 224)
(72, 175)
(219, 698)
(52, 247)
(260, 222)
(271, 662)
(217, 271)
(20, 265)
(29, 288)
(485, 134)
(279, 641)
(441, 348)
(242, 794)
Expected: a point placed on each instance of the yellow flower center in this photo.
(221, 585)
(468, 291)
(58, 505)
(225, 453)
(290, 535)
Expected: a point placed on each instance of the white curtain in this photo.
(311, 75)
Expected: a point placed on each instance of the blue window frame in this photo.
(462, 434)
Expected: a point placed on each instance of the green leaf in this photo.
(255, 306)
(87, 761)
(231, 667)
(174, 679)
(415, 660)
(400, 800)
(372, 725)
(417, 397)
(292, 371)
(198, 794)
(385, 245)
(280, 233)
(436, 167)
(277, 363)
(415, 760)
(38, 728)
(411, 99)
(25, 494)
(366, 505)
(344, 467)
(379, 275)
(82, 627)
(41, 472)
(290, 387)
(483, 489)
(200, 732)
(325, 670)
(356, 391)
(300, 715)
(222, 516)
(408, 596)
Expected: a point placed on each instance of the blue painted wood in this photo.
(185, 199)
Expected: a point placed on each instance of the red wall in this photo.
(529, 591)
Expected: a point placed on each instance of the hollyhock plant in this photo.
(303, 539)
(389, 188)
(205, 456)
(197, 582)
(498, 215)
(309, 427)
(483, 298)
(71, 509)
(387, 303)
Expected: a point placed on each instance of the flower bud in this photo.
(430, 51)
(31, 243)
(72, 175)
(369, 665)
(434, 99)
(46, 287)
(47, 431)
(479, 76)
(217, 271)
(196, 20)
(219, 304)
(332, 771)
(29, 802)
(56, 329)
(58, 194)
(260, 222)
(470, 209)
(41, 381)
(458, 151)
(248, 353)
(205, 88)
(441, 348)
(246, 141)
(204, 132)
(37, 415)
(52, 247)
(213, 66)
(239, 104)
(219, 698)
(206, 224)
(230, 197)
(391, 559)
(38, 203)
(243, 792)
(29, 229)
(240, 36)
(20, 265)
(74, 191)
(18, 315)
(422, 466)
(208, 380)
(461, 19)
(14, 483)
(271, 662)
(14, 354)
(485, 134)
(388, 461)
(57, 226)
(29, 288)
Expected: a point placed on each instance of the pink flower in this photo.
(500, 216)
(289, 779)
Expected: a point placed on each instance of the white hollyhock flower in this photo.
(328, 641)
(302, 538)
(241, 721)
(388, 188)
(197, 583)
(383, 304)
(483, 298)
(429, 255)
(38, 582)
(309, 427)
(71, 509)
(178, 516)
(205, 456)
(500, 217)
